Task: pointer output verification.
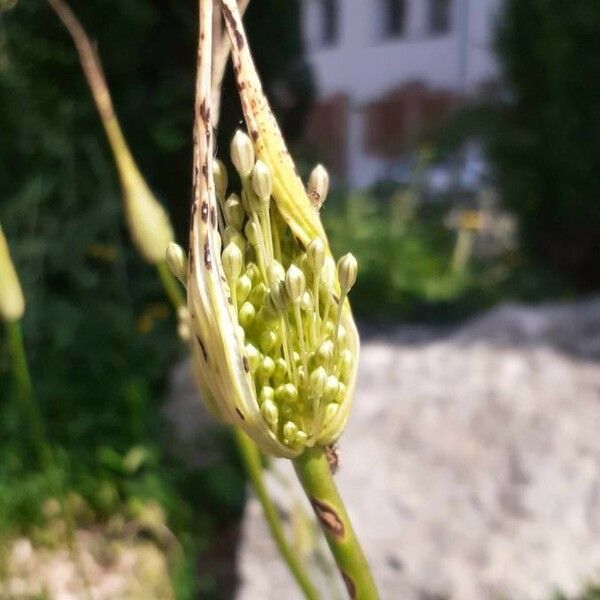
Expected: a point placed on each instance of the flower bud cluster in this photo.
(287, 301)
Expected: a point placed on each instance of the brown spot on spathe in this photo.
(240, 413)
(204, 211)
(254, 134)
(202, 347)
(330, 520)
(213, 216)
(239, 38)
(246, 364)
(205, 113)
(350, 586)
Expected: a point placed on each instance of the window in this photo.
(329, 22)
(440, 16)
(394, 17)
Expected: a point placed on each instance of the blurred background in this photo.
(463, 142)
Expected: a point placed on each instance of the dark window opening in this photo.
(394, 18)
(330, 14)
(440, 16)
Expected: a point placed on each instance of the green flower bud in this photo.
(242, 288)
(275, 272)
(177, 262)
(12, 302)
(234, 211)
(267, 393)
(268, 341)
(281, 369)
(258, 295)
(278, 294)
(347, 271)
(332, 387)
(267, 367)
(325, 352)
(315, 254)
(252, 231)
(242, 153)
(247, 315)
(330, 412)
(262, 180)
(287, 393)
(253, 356)
(317, 382)
(290, 429)
(232, 262)
(270, 412)
(318, 186)
(295, 283)
(221, 179)
(253, 272)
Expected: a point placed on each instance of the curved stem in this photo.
(170, 285)
(314, 473)
(251, 457)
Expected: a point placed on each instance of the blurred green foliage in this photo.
(404, 252)
(545, 139)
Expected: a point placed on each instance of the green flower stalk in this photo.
(148, 222)
(274, 340)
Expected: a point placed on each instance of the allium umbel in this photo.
(273, 336)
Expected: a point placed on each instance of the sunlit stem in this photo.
(337, 323)
(275, 232)
(285, 342)
(298, 318)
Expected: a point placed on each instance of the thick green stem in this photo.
(314, 473)
(251, 458)
(24, 393)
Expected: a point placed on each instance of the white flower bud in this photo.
(315, 255)
(347, 270)
(318, 186)
(295, 283)
(318, 379)
(242, 153)
(262, 180)
(232, 262)
(270, 412)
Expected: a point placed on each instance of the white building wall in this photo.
(365, 66)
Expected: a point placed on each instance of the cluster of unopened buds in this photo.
(287, 305)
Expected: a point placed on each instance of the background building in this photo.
(389, 69)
